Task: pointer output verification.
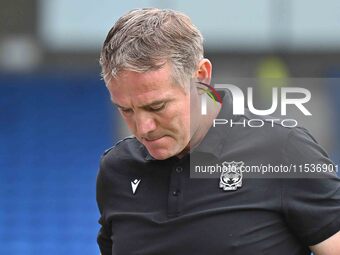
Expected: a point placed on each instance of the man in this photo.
(153, 66)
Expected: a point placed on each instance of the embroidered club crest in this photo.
(231, 176)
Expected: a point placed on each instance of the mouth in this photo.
(152, 139)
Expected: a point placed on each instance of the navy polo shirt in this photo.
(151, 207)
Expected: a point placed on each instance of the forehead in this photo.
(143, 87)
(146, 80)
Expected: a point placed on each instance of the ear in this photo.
(204, 71)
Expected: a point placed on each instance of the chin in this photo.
(164, 153)
(164, 148)
(161, 154)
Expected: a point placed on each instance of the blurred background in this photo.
(55, 115)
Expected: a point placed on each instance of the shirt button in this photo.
(179, 169)
(176, 192)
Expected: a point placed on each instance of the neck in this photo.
(206, 123)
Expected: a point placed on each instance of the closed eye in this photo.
(156, 108)
(126, 110)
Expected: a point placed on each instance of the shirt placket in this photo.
(175, 195)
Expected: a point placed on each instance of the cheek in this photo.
(174, 120)
(182, 121)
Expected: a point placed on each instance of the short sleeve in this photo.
(104, 235)
(311, 206)
(104, 241)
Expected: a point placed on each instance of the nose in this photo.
(145, 124)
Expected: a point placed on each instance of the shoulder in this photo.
(272, 136)
(281, 130)
(259, 133)
(123, 153)
(301, 147)
(121, 144)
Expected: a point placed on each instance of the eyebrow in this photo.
(156, 102)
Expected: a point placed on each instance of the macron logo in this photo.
(134, 185)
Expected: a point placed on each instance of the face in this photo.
(156, 110)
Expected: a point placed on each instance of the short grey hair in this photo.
(145, 39)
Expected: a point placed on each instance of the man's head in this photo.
(145, 39)
(148, 60)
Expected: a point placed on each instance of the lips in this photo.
(152, 139)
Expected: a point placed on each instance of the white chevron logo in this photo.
(134, 185)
